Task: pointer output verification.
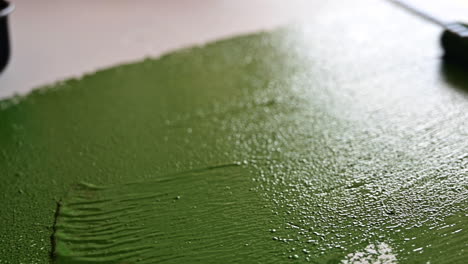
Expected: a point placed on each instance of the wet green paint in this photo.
(353, 144)
(206, 215)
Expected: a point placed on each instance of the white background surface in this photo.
(57, 39)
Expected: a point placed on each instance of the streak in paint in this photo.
(203, 215)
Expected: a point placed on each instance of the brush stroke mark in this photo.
(206, 215)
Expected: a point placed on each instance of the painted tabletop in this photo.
(342, 139)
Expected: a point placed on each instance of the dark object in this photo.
(454, 38)
(455, 43)
(5, 9)
(455, 75)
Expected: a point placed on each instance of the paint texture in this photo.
(206, 215)
(345, 147)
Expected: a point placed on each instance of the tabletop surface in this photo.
(339, 139)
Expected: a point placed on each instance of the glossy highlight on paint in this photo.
(337, 154)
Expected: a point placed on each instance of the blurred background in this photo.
(54, 39)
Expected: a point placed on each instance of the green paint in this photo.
(347, 149)
(207, 215)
